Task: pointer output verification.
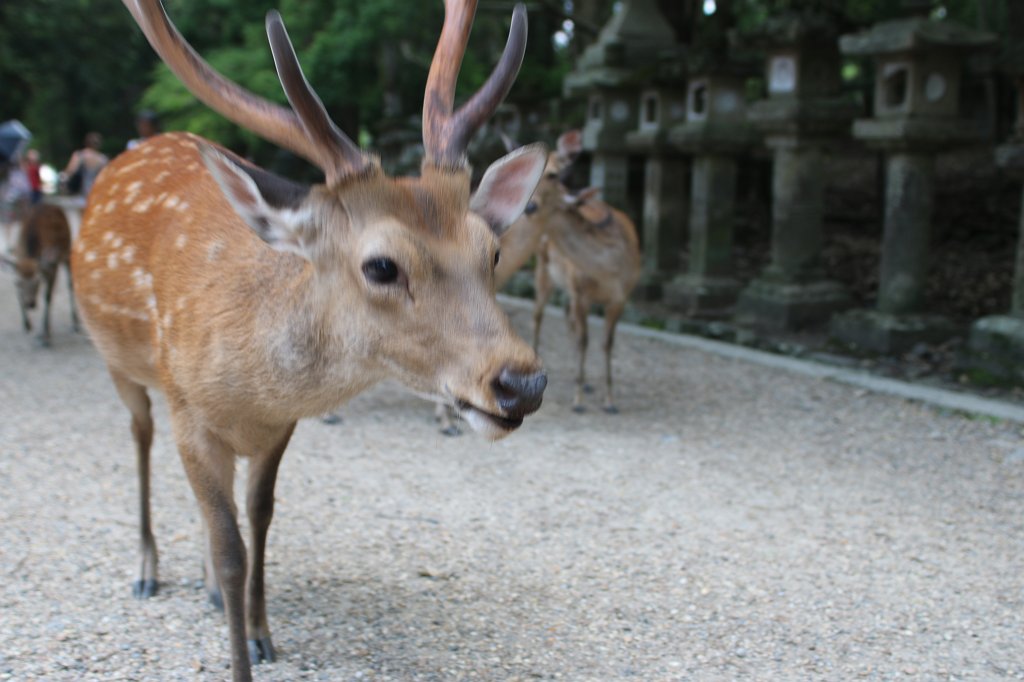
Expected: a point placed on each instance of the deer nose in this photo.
(519, 393)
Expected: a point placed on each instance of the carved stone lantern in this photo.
(919, 67)
(804, 116)
(716, 132)
(666, 170)
(610, 74)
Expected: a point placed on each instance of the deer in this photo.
(252, 301)
(583, 246)
(43, 245)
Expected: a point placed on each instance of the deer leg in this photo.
(612, 313)
(578, 317)
(213, 593)
(44, 333)
(210, 466)
(134, 397)
(446, 416)
(260, 509)
(75, 324)
(542, 286)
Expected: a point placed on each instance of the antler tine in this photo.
(274, 123)
(340, 151)
(446, 134)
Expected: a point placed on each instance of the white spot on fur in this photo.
(112, 261)
(95, 274)
(143, 205)
(117, 243)
(128, 254)
(111, 205)
(213, 250)
(161, 176)
(171, 202)
(179, 242)
(183, 206)
(90, 256)
(179, 305)
(133, 191)
(107, 236)
(79, 246)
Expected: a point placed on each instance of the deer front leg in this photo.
(612, 313)
(75, 325)
(542, 286)
(135, 398)
(260, 508)
(578, 323)
(445, 415)
(44, 334)
(209, 465)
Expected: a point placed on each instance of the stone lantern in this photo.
(665, 173)
(919, 65)
(610, 74)
(995, 345)
(715, 133)
(804, 116)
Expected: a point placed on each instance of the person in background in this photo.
(30, 165)
(85, 164)
(147, 124)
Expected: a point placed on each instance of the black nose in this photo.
(519, 393)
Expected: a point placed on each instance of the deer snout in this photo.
(519, 393)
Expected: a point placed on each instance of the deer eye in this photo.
(381, 270)
(497, 257)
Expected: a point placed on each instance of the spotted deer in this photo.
(252, 301)
(583, 246)
(43, 245)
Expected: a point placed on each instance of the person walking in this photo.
(84, 166)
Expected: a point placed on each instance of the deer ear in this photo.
(508, 185)
(271, 206)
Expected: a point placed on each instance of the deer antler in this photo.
(307, 130)
(446, 132)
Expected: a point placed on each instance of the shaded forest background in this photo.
(71, 66)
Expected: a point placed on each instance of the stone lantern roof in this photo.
(915, 34)
(793, 28)
(631, 50)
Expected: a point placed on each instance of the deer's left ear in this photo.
(508, 185)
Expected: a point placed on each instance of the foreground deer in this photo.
(583, 246)
(253, 302)
(43, 245)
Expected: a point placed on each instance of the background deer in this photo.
(252, 301)
(583, 246)
(43, 244)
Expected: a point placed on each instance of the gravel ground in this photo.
(732, 523)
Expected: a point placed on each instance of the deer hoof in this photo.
(42, 341)
(451, 431)
(261, 651)
(587, 388)
(216, 599)
(144, 589)
(610, 409)
(579, 409)
(331, 418)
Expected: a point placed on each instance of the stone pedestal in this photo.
(708, 286)
(666, 205)
(793, 291)
(995, 345)
(899, 321)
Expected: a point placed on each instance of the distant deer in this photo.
(583, 246)
(252, 301)
(43, 245)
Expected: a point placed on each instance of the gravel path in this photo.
(733, 523)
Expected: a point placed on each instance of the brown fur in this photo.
(180, 294)
(43, 246)
(586, 248)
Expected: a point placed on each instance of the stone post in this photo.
(666, 206)
(919, 65)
